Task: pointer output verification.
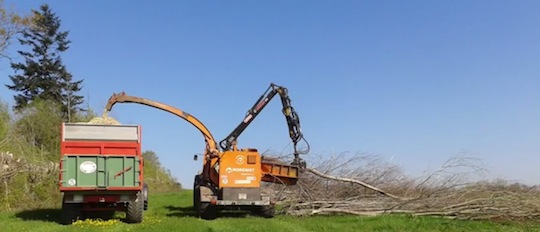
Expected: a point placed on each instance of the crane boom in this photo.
(211, 143)
(288, 111)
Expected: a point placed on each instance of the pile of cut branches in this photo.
(367, 186)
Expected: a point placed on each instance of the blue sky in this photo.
(415, 82)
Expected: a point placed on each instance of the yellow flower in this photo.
(96, 222)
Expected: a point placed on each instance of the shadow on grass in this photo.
(54, 215)
(46, 215)
(175, 211)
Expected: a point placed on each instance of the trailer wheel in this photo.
(135, 209)
(71, 212)
(145, 193)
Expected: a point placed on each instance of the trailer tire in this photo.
(145, 194)
(71, 212)
(135, 209)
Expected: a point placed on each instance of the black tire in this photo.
(196, 196)
(208, 212)
(197, 201)
(202, 209)
(268, 211)
(71, 212)
(135, 209)
(145, 194)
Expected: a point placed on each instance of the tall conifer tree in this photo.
(44, 76)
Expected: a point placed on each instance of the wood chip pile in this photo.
(104, 121)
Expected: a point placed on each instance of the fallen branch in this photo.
(354, 181)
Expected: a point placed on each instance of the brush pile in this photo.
(366, 186)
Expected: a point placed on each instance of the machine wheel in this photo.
(135, 209)
(71, 212)
(268, 211)
(208, 211)
(145, 194)
(196, 195)
(202, 209)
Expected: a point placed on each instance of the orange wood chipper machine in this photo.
(231, 177)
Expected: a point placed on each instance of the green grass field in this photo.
(172, 212)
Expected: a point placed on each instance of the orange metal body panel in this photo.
(236, 171)
(279, 173)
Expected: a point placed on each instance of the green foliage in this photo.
(39, 125)
(5, 119)
(151, 157)
(156, 176)
(44, 76)
(33, 137)
(84, 116)
(32, 191)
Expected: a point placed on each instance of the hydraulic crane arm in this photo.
(211, 144)
(288, 111)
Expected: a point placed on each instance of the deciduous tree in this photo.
(11, 24)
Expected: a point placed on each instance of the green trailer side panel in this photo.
(101, 171)
(126, 166)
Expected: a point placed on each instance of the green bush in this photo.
(39, 125)
(156, 176)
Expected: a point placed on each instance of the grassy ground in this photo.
(172, 212)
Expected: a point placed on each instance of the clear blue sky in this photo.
(415, 82)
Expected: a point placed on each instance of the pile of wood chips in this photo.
(104, 121)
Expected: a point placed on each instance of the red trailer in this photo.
(101, 171)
